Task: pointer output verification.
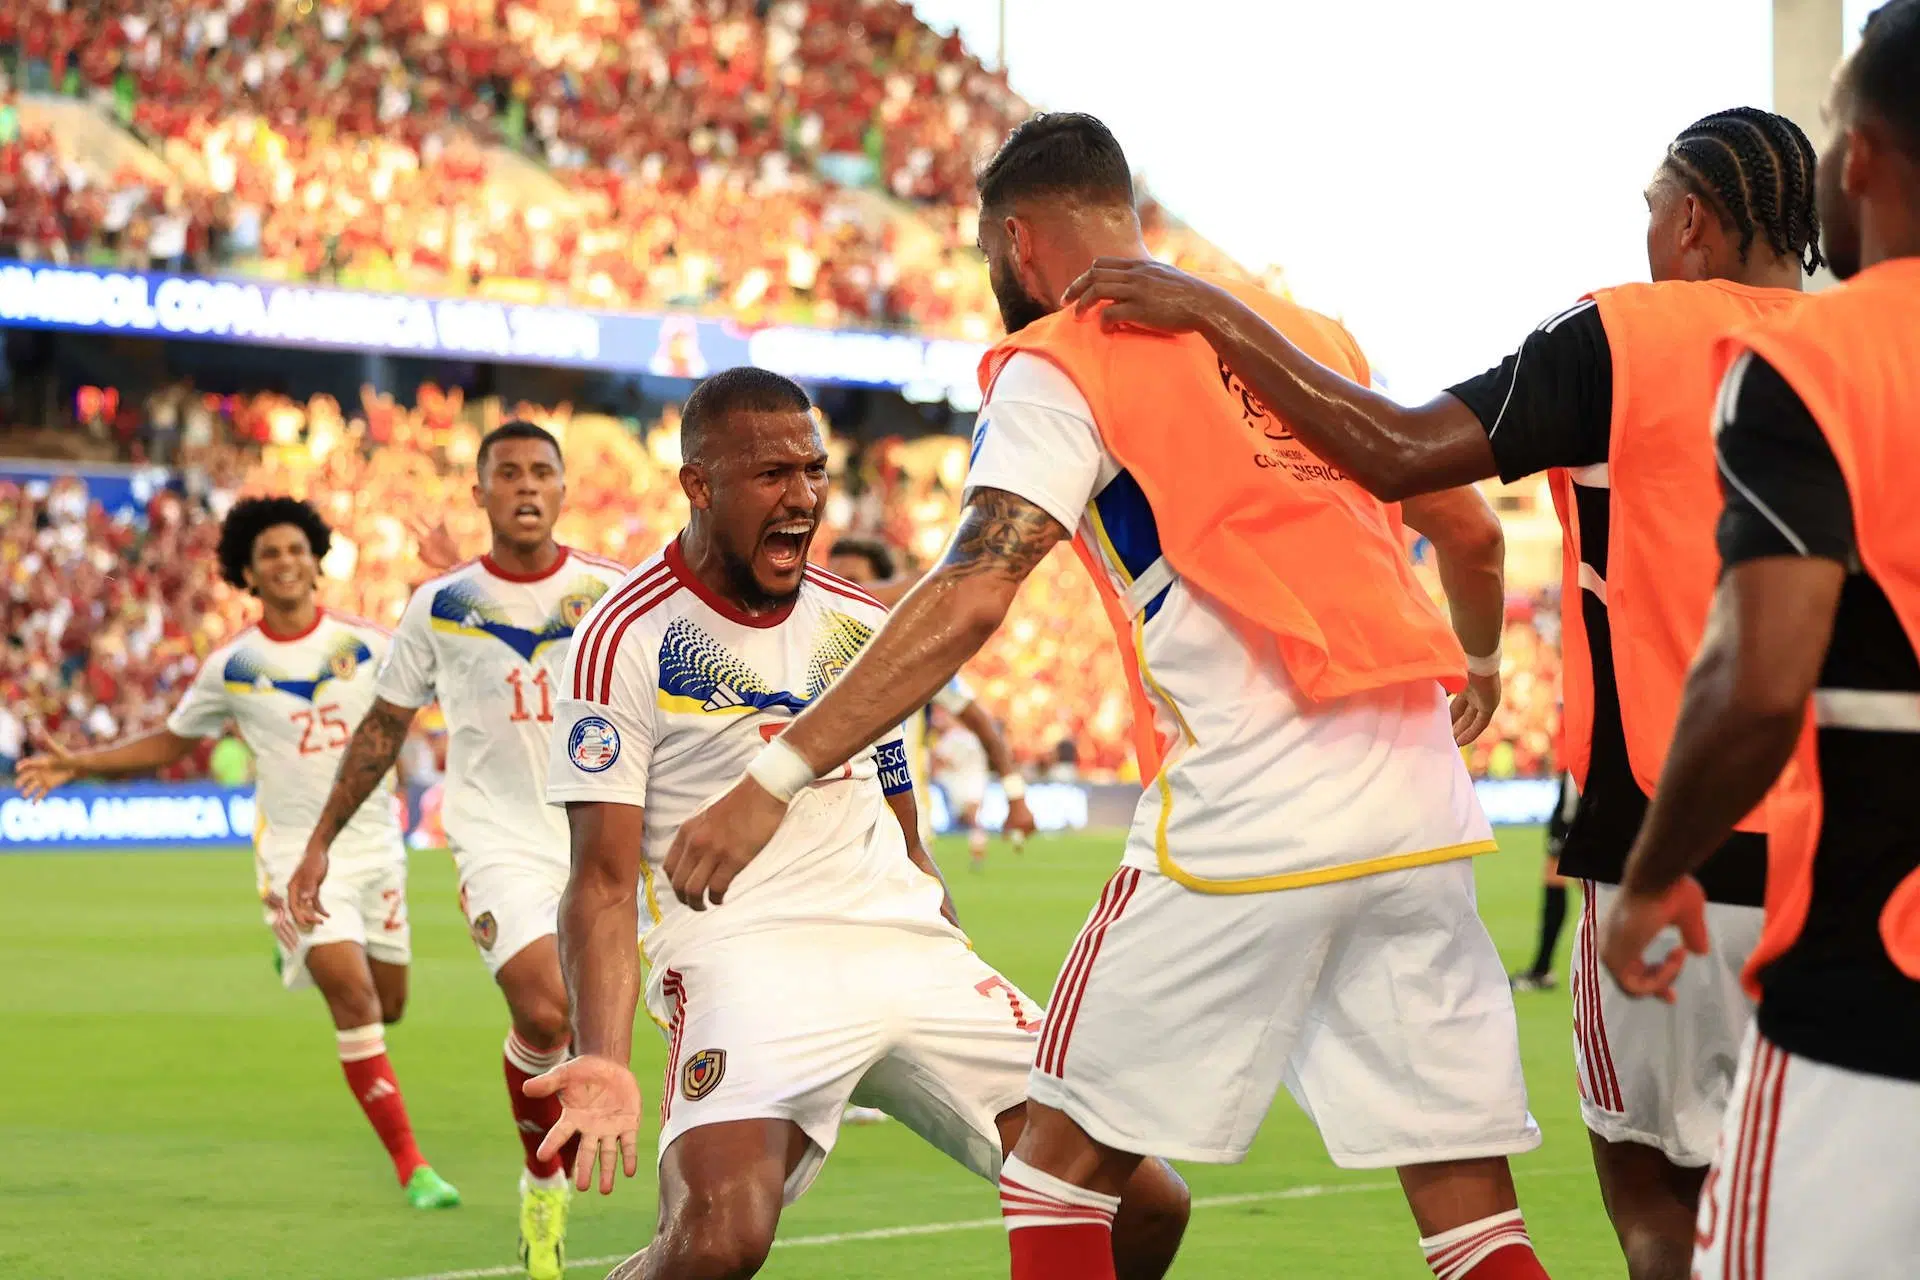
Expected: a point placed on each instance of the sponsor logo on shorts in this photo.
(703, 1073)
(593, 745)
(485, 931)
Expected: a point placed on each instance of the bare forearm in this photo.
(598, 957)
(999, 754)
(1475, 582)
(370, 755)
(144, 754)
(942, 623)
(1391, 451)
(1726, 753)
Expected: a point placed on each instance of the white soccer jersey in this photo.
(959, 753)
(490, 646)
(954, 697)
(297, 700)
(669, 695)
(1260, 788)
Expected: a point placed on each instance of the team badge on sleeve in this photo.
(702, 1074)
(593, 745)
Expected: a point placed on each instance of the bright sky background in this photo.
(1442, 176)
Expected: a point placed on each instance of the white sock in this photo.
(1031, 1198)
(1452, 1254)
(534, 1182)
(357, 1044)
(531, 1060)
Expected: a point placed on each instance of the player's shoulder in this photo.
(365, 628)
(624, 624)
(246, 640)
(432, 587)
(608, 570)
(832, 591)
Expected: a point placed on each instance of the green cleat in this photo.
(543, 1230)
(428, 1190)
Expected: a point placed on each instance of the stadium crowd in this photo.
(718, 154)
(106, 617)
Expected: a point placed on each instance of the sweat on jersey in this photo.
(490, 645)
(670, 693)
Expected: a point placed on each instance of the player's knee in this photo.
(541, 1019)
(727, 1237)
(1654, 1253)
(1153, 1216)
(392, 1005)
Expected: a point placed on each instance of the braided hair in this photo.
(1755, 169)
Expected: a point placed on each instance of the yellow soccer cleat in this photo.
(543, 1230)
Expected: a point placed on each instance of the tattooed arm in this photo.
(940, 624)
(370, 755)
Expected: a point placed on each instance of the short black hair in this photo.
(1884, 75)
(1755, 168)
(251, 517)
(877, 554)
(515, 429)
(742, 389)
(1057, 153)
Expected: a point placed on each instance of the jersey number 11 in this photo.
(518, 679)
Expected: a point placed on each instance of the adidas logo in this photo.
(473, 621)
(723, 697)
(262, 683)
(381, 1089)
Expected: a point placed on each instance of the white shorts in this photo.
(510, 905)
(1815, 1174)
(365, 901)
(964, 791)
(1654, 1073)
(1379, 1002)
(796, 1023)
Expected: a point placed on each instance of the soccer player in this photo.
(1614, 399)
(1538, 976)
(296, 683)
(1295, 903)
(1811, 663)
(488, 641)
(869, 565)
(837, 970)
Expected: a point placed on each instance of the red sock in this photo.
(1056, 1231)
(533, 1117)
(363, 1056)
(1494, 1248)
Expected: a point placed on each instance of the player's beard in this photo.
(747, 588)
(1018, 308)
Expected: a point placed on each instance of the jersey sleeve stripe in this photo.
(586, 645)
(827, 575)
(355, 620)
(601, 561)
(840, 587)
(633, 615)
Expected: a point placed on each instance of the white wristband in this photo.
(783, 771)
(1014, 786)
(1487, 666)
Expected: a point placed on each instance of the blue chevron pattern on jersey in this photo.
(250, 672)
(463, 608)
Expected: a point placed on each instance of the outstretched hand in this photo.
(1143, 294)
(39, 774)
(600, 1103)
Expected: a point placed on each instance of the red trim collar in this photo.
(677, 565)
(488, 563)
(319, 613)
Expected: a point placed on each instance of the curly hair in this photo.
(252, 517)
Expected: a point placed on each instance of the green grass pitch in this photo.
(167, 1111)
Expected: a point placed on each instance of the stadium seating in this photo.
(677, 159)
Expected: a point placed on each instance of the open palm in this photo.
(600, 1102)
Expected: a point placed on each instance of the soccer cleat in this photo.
(1534, 981)
(428, 1190)
(543, 1230)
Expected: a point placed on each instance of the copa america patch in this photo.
(593, 745)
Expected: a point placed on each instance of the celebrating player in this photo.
(296, 683)
(1295, 902)
(837, 970)
(869, 565)
(1613, 398)
(488, 641)
(1817, 608)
